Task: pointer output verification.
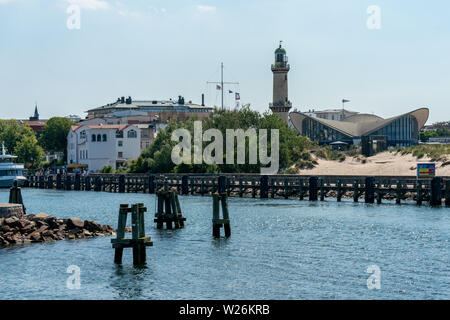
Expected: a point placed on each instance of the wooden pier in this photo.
(369, 189)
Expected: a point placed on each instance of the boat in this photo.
(10, 171)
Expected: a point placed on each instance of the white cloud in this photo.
(204, 9)
(5, 1)
(89, 4)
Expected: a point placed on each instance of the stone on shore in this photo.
(43, 227)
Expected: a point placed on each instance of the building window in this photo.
(120, 154)
(147, 144)
(93, 138)
(99, 137)
(120, 143)
(132, 134)
(104, 138)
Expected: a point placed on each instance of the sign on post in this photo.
(426, 170)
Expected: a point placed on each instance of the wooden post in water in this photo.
(98, 184)
(68, 182)
(184, 185)
(339, 190)
(355, 190)
(301, 189)
(398, 192)
(50, 182)
(322, 190)
(77, 182)
(168, 210)
(41, 182)
(121, 183)
(369, 192)
(138, 241)
(264, 187)
(15, 195)
(419, 192)
(220, 199)
(435, 192)
(151, 184)
(379, 192)
(58, 181)
(313, 188)
(87, 183)
(447, 192)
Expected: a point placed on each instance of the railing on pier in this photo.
(371, 189)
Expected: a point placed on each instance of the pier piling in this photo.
(369, 192)
(264, 187)
(138, 241)
(447, 192)
(220, 200)
(435, 189)
(168, 210)
(313, 188)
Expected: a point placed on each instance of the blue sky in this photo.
(159, 49)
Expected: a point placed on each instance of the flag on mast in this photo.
(344, 100)
(218, 87)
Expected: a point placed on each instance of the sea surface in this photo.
(278, 249)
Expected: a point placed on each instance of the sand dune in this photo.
(382, 164)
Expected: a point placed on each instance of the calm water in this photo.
(279, 249)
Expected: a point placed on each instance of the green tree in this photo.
(157, 158)
(12, 131)
(28, 151)
(54, 135)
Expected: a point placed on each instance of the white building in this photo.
(103, 145)
(331, 114)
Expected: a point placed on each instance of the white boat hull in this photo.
(8, 181)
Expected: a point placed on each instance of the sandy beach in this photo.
(382, 164)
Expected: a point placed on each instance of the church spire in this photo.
(35, 117)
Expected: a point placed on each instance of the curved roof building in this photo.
(402, 130)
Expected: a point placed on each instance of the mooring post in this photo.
(339, 190)
(87, 183)
(222, 182)
(369, 192)
(300, 189)
(447, 192)
(184, 185)
(121, 183)
(138, 240)
(50, 182)
(58, 181)
(151, 184)
(264, 187)
(322, 190)
(220, 200)
(15, 195)
(419, 193)
(398, 192)
(41, 182)
(435, 191)
(313, 188)
(98, 184)
(355, 190)
(216, 226)
(121, 224)
(379, 192)
(168, 210)
(77, 182)
(68, 182)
